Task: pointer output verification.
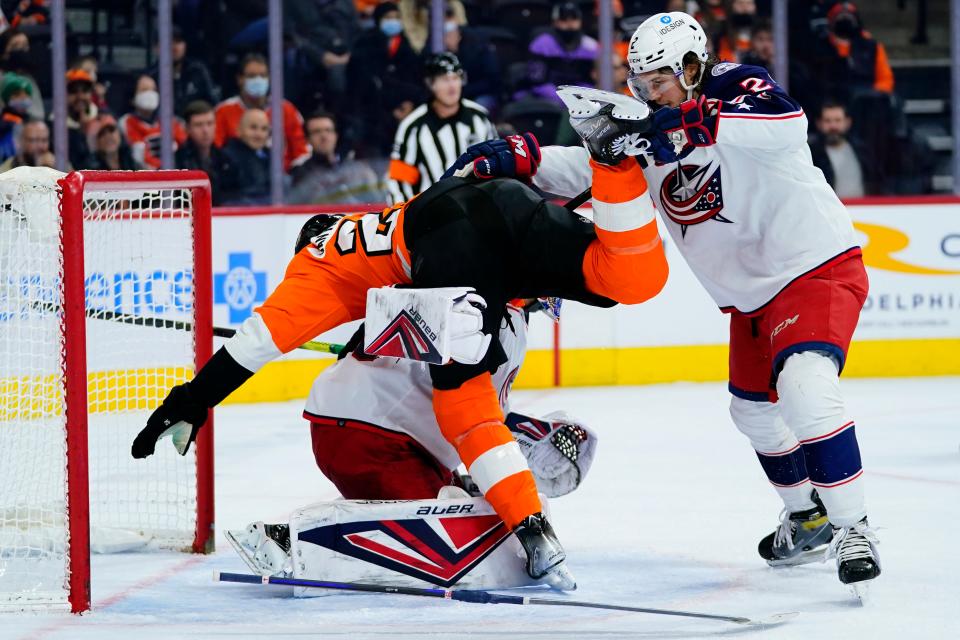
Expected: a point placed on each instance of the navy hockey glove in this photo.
(515, 156)
(697, 119)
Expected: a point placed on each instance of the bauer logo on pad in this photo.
(407, 336)
(439, 550)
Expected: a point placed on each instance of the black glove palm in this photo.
(180, 405)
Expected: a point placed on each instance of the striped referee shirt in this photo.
(425, 145)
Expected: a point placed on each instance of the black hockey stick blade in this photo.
(578, 200)
(487, 597)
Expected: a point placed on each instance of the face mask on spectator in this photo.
(20, 105)
(845, 28)
(256, 87)
(147, 100)
(741, 20)
(391, 27)
(569, 36)
(19, 59)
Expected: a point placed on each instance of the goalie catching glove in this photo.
(558, 448)
(612, 126)
(516, 156)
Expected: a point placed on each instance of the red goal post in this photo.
(89, 262)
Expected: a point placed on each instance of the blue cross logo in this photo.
(666, 19)
(240, 287)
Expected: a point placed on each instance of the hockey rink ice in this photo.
(669, 517)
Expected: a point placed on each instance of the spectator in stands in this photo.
(562, 55)
(199, 152)
(480, 63)
(246, 179)
(384, 73)
(27, 12)
(111, 153)
(761, 54)
(15, 93)
(734, 40)
(90, 64)
(415, 15)
(321, 34)
(15, 48)
(434, 135)
(191, 79)
(253, 78)
(141, 127)
(860, 63)
(81, 112)
(843, 161)
(33, 147)
(330, 176)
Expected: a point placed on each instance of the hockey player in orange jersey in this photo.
(491, 240)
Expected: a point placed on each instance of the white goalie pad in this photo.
(426, 325)
(414, 543)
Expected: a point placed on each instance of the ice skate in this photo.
(265, 548)
(545, 556)
(857, 560)
(800, 538)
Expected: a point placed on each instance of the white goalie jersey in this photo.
(397, 394)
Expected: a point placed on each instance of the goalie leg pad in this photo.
(424, 543)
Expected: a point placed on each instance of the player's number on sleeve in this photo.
(375, 231)
(756, 85)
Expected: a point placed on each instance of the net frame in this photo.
(73, 187)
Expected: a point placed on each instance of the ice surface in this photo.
(669, 517)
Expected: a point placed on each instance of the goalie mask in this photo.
(611, 125)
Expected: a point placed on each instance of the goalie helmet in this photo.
(662, 40)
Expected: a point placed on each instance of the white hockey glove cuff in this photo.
(558, 448)
(427, 325)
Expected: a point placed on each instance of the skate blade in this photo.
(560, 578)
(233, 537)
(805, 557)
(773, 620)
(861, 591)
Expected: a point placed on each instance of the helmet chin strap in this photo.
(690, 88)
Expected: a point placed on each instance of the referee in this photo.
(434, 135)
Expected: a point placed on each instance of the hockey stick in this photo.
(486, 597)
(182, 325)
(578, 200)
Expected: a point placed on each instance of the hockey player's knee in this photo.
(809, 390)
(759, 422)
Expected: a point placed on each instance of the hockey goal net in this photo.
(105, 294)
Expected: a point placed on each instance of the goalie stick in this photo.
(487, 597)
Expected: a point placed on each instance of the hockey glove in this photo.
(185, 408)
(558, 448)
(181, 415)
(696, 118)
(515, 156)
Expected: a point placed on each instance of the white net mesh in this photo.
(138, 257)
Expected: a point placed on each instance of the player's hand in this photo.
(515, 156)
(180, 415)
(696, 118)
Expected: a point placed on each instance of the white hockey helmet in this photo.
(662, 40)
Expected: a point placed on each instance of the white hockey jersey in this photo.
(750, 213)
(397, 394)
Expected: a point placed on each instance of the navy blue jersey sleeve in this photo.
(753, 110)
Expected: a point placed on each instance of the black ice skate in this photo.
(800, 538)
(857, 559)
(545, 555)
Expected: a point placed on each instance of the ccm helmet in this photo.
(440, 64)
(662, 40)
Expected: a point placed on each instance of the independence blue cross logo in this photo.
(240, 287)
